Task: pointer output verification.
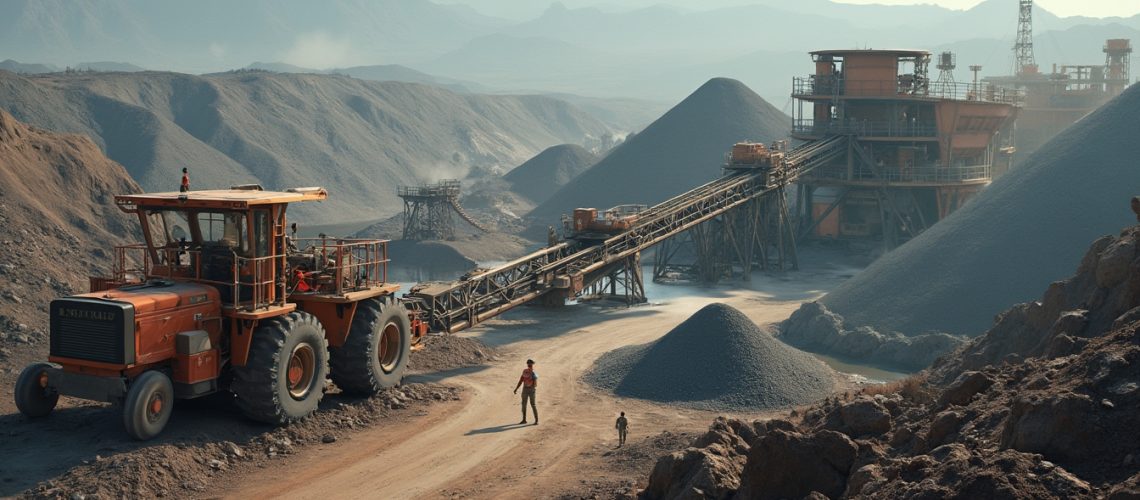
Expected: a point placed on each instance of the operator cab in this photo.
(231, 239)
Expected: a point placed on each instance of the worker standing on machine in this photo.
(528, 381)
(185, 186)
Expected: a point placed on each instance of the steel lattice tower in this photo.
(1024, 62)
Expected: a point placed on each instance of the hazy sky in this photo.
(1063, 8)
(528, 9)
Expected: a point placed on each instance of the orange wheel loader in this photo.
(220, 299)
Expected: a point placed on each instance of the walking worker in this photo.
(622, 427)
(185, 186)
(528, 381)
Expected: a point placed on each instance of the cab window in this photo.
(223, 229)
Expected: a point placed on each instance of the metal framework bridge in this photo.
(574, 269)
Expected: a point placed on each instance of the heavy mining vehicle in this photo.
(219, 299)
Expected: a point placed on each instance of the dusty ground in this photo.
(470, 446)
(479, 450)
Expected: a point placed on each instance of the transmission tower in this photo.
(1024, 62)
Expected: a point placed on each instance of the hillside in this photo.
(57, 217)
(357, 138)
(551, 169)
(1016, 237)
(679, 151)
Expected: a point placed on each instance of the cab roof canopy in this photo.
(847, 52)
(220, 198)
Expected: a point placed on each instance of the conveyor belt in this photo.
(562, 269)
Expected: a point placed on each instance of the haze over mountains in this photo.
(657, 52)
(360, 139)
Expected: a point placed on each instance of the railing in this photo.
(330, 266)
(914, 174)
(339, 266)
(444, 188)
(245, 283)
(825, 85)
(863, 128)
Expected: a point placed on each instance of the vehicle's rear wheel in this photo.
(148, 405)
(283, 379)
(33, 396)
(374, 356)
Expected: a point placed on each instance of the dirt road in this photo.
(479, 450)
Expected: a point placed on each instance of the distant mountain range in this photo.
(33, 68)
(656, 52)
(360, 139)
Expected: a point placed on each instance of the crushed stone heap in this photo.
(716, 359)
(1026, 230)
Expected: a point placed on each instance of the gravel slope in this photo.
(1029, 228)
(717, 359)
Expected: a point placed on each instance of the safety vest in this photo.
(529, 377)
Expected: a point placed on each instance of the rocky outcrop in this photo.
(1044, 405)
(815, 328)
(793, 465)
(710, 468)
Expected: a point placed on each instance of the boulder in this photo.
(792, 465)
(963, 389)
(865, 417)
(696, 473)
(1056, 426)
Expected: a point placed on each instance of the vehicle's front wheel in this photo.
(148, 405)
(33, 397)
(283, 379)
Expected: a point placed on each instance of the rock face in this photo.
(998, 250)
(717, 358)
(1044, 405)
(792, 465)
(57, 218)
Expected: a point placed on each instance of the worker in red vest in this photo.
(185, 186)
(528, 381)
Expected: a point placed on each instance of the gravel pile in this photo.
(717, 359)
(679, 151)
(1026, 230)
(447, 352)
(551, 169)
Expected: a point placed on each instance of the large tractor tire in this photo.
(32, 398)
(283, 379)
(374, 356)
(148, 405)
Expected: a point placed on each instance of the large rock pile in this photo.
(1018, 235)
(58, 219)
(1044, 405)
(717, 359)
(539, 177)
(678, 151)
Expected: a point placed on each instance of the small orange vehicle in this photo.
(754, 155)
(587, 225)
(213, 302)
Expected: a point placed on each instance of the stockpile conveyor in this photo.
(564, 270)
